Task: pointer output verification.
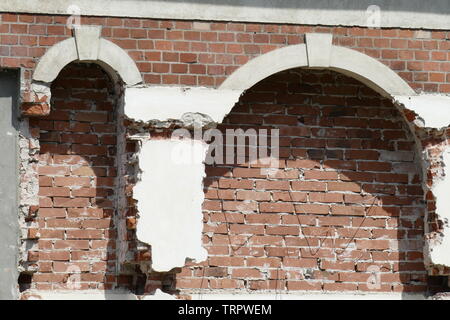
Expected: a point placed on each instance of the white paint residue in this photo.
(434, 110)
(170, 197)
(439, 253)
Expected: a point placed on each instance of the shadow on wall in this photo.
(345, 210)
(77, 181)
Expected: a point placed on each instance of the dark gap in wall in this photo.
(24, 281)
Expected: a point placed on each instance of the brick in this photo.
(71, 244)
(282, 230)
(72, 182)
(326, 197)
(373, 244)
(52, 212)
(70, 203)
(308, 186)
(348, 210)
(276, 207)
(343, 186)
(54, 191)
(84, 234)
(252, 195)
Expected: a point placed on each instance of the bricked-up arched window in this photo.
(343, 213)
(77, 182)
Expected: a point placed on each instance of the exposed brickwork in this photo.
(77, 176)
(343, 148)
(333, 160)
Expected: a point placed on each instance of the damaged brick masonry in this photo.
(356, 205)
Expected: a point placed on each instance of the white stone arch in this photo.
(319, 52)
(86, 46)
(431, 110)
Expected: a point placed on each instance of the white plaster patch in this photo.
(434, 110)
(41, 89)
(171, 103)
(170, 196)
(439, 250)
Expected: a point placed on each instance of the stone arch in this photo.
(86, 46)
(418, 109)
(319, 52)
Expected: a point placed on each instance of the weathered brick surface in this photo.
(282, 232)
(77, 170)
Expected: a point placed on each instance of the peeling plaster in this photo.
(179, 103)
(433, 110)
(41, 89)
(439, 248)
(170, 196)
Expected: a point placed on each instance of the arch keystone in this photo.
(318, 48)
(87, 39)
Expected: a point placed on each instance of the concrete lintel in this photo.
(87, 39)
(179, 103)
(318, 47)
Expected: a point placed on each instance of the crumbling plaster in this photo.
(433, 110)
(170, 197)
(439, 247)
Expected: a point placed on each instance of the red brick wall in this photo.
(77, 177)
(182, 52)
(289, 231)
